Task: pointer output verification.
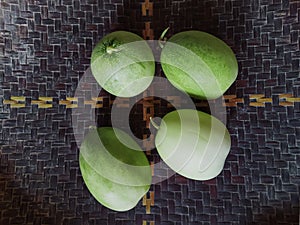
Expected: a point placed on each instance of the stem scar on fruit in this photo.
(110, 50)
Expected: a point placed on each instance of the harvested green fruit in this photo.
(193, 144)
(116, 175)
(123, 64)
(199, 64)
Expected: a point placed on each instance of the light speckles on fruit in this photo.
(199, 64)
(123, 64)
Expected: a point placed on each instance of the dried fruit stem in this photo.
(162, 40)
(154, 124)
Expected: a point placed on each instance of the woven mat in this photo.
(45, 48)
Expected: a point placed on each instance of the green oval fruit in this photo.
(199, 64)
(193, 144)
(116, 175)
(123, 64)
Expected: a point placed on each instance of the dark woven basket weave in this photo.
(45, 49)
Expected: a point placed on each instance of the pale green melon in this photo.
(193, 143)
(116, 175)
(199, 64)
(123, 64)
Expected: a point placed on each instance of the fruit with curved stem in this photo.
(193, 143)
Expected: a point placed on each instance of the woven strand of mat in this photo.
(147, 8)
(95, 102)
(148, 222)
(70, 102)
(15, 102)
(148, 106)
(287, 100)
(43, 102)
(120, 102)
(256, 100)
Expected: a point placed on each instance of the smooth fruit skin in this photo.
(123, 64)
(112, 195)
(116, 175)
(199, 64)
(193, 143)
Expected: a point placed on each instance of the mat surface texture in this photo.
(45, 50)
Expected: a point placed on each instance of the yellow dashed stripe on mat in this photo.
(148, 222)
(15, 102)
(43, 102)
(287, 100)
(148, 201)
(256, 100)
(148, 105)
